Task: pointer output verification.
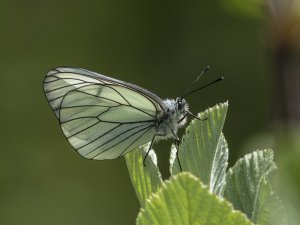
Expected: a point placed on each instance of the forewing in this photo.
(101, 119)
(57, 83)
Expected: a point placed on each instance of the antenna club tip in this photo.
(222, 78)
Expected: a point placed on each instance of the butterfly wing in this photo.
(102, 118)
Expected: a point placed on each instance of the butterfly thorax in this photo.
(173, 117)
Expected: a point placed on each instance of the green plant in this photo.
(205, 192)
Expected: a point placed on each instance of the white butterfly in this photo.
(105, 118)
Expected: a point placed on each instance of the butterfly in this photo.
(105, 118)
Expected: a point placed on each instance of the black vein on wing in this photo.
(100, 97)
(99, 137)
(134, 106)
(76, 90)
(107, 121)
(99, 146)
(135, 140)
(69, 85)
(78, 79)
(48, 81)
(88, 83)
(145, 128)
(78, 106)
(97, 96)
(98, 77)
(119, 94)
(85, 129)
(146, 96)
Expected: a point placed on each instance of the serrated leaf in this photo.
(184, 200)
(248, 188)
(145, 179)
(204, 150)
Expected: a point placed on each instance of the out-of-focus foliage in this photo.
(252, 8)
(248, 187)
(282, 18)
(279, 30)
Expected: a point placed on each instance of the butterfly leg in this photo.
(177, 142)
(147, 153)
(185, 116)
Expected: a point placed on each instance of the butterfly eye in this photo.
(179, 104)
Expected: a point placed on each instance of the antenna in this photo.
(196, 80)
(213, 82)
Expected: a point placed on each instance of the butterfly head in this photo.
(181, 105)
(182, 109)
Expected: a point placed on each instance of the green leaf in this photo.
(184, 200)
(145, 179)
(204, 150)
(248, 188)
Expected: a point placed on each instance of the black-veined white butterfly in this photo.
(105, 118)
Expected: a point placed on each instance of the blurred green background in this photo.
(159, 45)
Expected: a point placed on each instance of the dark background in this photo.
(158, 45)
